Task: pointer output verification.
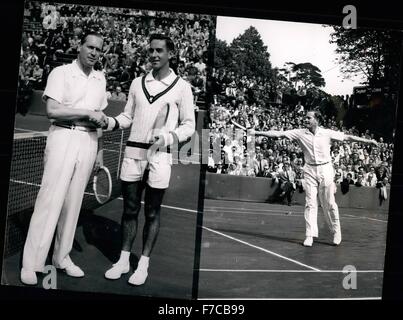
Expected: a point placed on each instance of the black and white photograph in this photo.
(104, 178)
(301, 146)
(174, 155)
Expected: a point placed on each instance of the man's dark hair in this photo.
(168, 41)
(91, 33)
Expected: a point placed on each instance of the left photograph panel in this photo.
(104, 179)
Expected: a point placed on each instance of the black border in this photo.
(370, 14)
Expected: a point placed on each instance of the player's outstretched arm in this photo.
(359, 139)
(269, 134)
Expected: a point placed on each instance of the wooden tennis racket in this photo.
(239, 126)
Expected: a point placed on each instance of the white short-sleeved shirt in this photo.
(70, 86)
(316, 147)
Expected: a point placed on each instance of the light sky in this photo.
(293, 42)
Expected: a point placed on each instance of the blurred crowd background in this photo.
(51, 36)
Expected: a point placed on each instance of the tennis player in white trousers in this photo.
(75, 94)
(160, 91)
(315, 142)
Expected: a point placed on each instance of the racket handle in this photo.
(120, 155)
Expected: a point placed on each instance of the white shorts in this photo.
(158, 177)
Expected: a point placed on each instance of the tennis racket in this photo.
(102, 185)
(236, 124)
(159, 127)
(102, 182)
(120, 155)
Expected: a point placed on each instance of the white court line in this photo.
(178, 208)
(359, 298)
(262, 249)
(38, 185)
(28, 130)
(268, 213)
(373, 219)
(290, 271)
(120, 198)
(171, 207)
(292, 214)
(195, 211)
(240, 210)
(262, 211)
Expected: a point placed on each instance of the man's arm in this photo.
(187, 121)
(359, 139)
(269, 134)
(55, 109)
(58, 111)
(125, 119)
(99, 161)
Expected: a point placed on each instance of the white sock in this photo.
(124, 257)
(143, 262)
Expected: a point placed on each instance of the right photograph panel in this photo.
(300, 155)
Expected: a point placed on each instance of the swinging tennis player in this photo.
(315, 142)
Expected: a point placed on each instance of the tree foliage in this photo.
(372, 53)
(246, 55)
(251, 57)
(222, 55)
(308, 74)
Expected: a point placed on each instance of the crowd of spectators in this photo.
(247, 102)
(51, 36)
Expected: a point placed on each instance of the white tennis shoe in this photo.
(139, 277)
(28, 277)
(337, 238)
(117, 270)
(308, 242)
(74, 271)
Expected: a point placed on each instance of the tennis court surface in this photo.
(254, 251)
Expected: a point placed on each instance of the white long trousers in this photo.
(68, 162)
(319, 180)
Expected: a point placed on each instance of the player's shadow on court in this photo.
(104, 234)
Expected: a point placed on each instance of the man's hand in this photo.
(98, 118)
(374, 142)
(158, 141)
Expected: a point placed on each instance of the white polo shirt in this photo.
(70, 86)
(316, 147)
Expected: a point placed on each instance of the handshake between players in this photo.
(98, 118)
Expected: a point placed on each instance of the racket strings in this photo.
(102, 186)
